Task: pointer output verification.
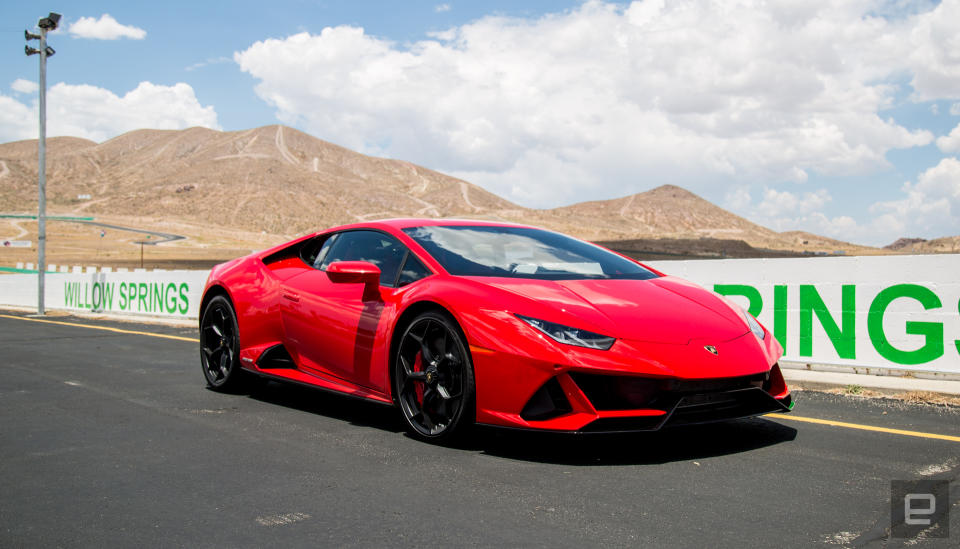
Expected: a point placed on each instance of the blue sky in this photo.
(841, 118)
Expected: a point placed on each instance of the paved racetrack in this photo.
(111, 439)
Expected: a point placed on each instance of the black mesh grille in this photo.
(618, 392)
(701, 408)
(632, 392)
(714, 385)
(685, 401)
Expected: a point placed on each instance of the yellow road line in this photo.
(864, 427)
(104, 328)
(791, 417)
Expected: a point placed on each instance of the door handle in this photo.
(292, 297)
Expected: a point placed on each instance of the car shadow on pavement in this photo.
(333, 405)
(675, 444)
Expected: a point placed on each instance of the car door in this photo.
(331, 326)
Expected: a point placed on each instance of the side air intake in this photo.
(547, 403)
(275, 357)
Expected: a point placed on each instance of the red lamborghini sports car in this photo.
(464, 322)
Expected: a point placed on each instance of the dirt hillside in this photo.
(279, 181)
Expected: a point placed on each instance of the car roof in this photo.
(407, 222)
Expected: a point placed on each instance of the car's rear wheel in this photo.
(433, 379)
(220, 346)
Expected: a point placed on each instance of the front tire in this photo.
(220, 346)
(433, 379)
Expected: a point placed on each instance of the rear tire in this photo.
(220, 346)
(433, 379)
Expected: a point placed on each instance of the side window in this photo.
(324, 250)
(382, 250)
(412, 271)
(312, 252)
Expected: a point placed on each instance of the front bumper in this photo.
(577, 401)
(533, 383)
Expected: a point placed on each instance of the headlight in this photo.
(755, 326)
(568, 335)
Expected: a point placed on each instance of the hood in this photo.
(662, 310)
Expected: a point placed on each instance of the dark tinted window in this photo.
(378, 248)
(312, 252)
(413, 270)
(520, 252)
(324, 250)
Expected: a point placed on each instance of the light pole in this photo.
(46, 24)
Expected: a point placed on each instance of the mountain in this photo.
(945, 245)
(281, 181)
(667, 211)
(273, 179)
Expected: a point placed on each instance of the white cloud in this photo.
(933, 42)
(842, 227)
(622, 97)
(24, 86)
(931, 205)
(780, 203)
(105, 28)
(955, 109)
(934, 109)
(929, 208)
(441, 8)
(738, 198)
(879, 231)
(950, 143)
(17, 121)
(787, 211)
(207, 62)
(99, 114)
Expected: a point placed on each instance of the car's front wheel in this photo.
(433, 378)
(220, 346)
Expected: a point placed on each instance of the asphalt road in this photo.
(112, 439)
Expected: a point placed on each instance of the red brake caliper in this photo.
(418, 367)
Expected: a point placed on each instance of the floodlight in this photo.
(49, 22)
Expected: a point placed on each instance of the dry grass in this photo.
(79, 244)
(913, 397)
(929, 397)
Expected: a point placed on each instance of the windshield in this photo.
(520, 252)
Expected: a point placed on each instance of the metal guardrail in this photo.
(56, 217)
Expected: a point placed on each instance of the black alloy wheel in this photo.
(433, 379)
(220, 345)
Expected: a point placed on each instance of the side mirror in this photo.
(353, 271)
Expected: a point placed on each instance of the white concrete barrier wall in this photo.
(888, 312)
(893, 312)
(162, 293)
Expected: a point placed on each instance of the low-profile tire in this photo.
(433, 379)
(220, 346)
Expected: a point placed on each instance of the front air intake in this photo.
(618, 392)
(547, 403)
